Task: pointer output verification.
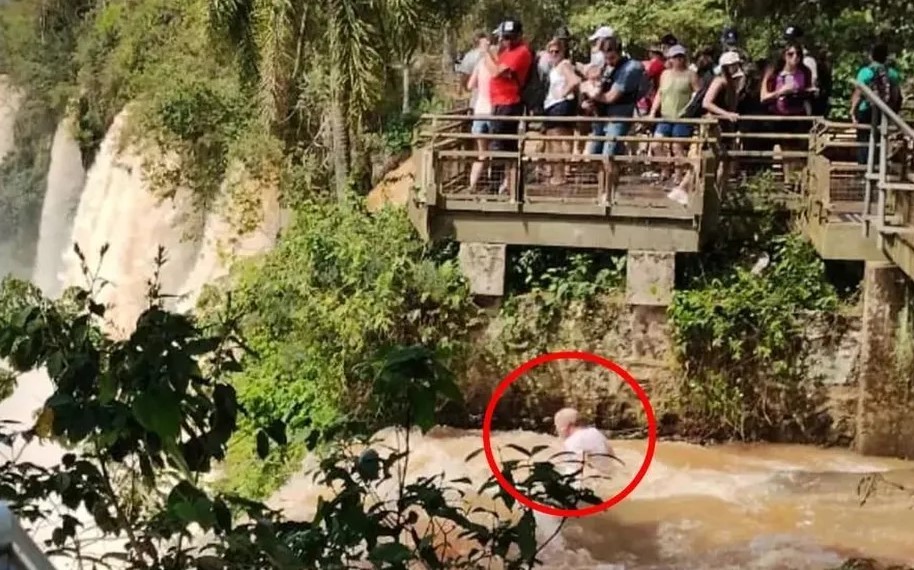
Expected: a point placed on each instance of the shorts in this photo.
(500, 127)
(675, 130)
(609, 129)
(561, 109)
(481, 127)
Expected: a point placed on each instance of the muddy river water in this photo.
(762, 506)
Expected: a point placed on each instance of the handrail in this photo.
(18, 546)
(882, 118)
(876, 101)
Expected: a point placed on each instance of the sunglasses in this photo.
(791, 54)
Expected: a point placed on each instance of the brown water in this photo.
(762, 506)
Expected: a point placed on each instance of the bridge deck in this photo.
(552, 191)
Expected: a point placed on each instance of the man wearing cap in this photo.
(597, 57)
(620, 90)
(509, 75)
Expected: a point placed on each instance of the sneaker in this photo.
(679, 196)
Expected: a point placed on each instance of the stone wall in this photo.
(638, 338)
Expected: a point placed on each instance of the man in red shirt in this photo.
(509, 75)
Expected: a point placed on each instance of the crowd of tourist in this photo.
(507, 78)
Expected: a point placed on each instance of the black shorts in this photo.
(561, 109)
(506, 127)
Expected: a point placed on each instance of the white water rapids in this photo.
(765, 507)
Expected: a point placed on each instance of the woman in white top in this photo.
(561, 101)
(479, 82)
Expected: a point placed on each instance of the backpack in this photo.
(883, 86)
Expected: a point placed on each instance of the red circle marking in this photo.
(570, 355)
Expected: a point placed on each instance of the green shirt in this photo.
(867, 74)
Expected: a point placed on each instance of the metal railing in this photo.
(884, 122)
(539, 167)
(17, 549)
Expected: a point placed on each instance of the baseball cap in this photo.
(510, 27)
(602, 33)
(729, 36)
(793, 32)
(676, 50)
(669, 40)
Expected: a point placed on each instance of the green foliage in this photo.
(340, 284)
(146, 416)
(694, 22)
(548, 283)
(741, 341)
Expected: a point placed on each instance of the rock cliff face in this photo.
(639, 340)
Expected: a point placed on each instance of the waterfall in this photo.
(223, 243)
(118, 209)
(66, 177)
(114, 205)
(9, 104)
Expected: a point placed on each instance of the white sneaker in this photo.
(679, 196)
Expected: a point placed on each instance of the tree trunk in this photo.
(406, 87)
(447, 52)
(339, 134)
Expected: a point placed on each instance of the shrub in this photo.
(339, 284)
(741, 341)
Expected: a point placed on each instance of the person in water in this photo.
(586, 443)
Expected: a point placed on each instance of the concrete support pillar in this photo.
(483, 264)
(885, 421)
(650, 279)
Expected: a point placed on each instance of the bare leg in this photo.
(482, 145)
(679, 151)
(558, 173)
(659, 149)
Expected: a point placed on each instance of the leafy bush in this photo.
(339, 284)
(551, 281)
(145, 417)
(741, 341)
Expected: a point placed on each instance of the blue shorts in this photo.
(608, 129)
(675, 130)
(481, 127)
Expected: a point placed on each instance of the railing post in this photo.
(868, 173)
(883, 175)
(517, 182)
(17, 547)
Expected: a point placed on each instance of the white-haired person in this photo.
(583, 445)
